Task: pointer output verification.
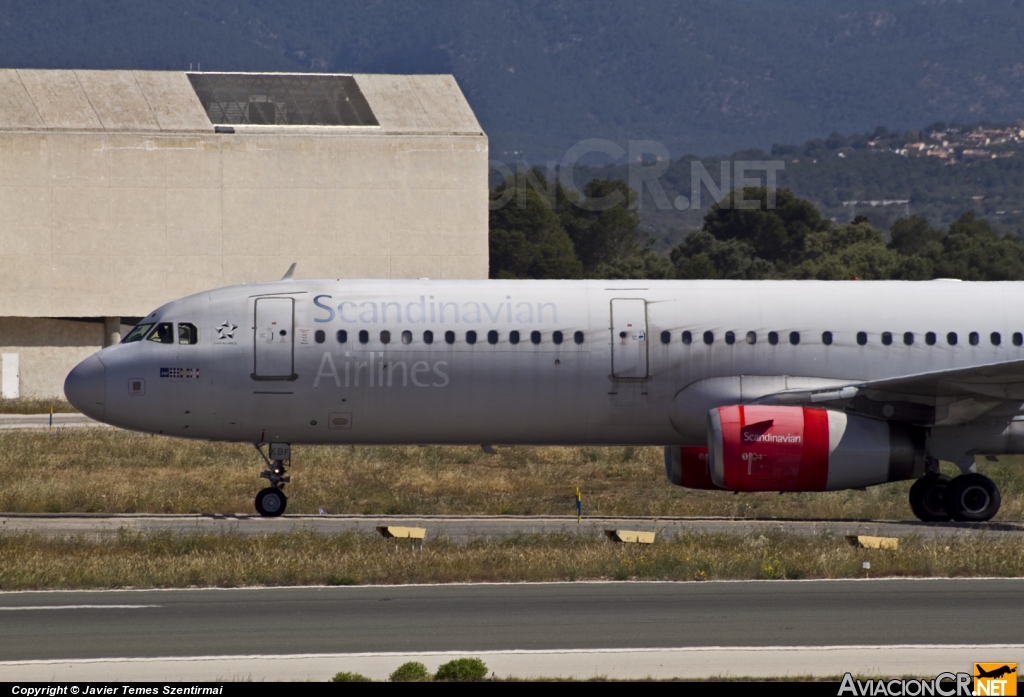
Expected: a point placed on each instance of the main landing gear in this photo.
(971, 497)
(271, 502)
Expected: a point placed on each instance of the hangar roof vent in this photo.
(286, 99)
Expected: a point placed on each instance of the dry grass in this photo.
(101, 470)
(36, 562)
(35, 406)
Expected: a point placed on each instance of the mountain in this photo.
(701, 77)
(939, 173)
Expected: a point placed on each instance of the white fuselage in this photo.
(622, 384)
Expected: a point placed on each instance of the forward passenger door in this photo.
(274, 350)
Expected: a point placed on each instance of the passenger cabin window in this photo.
(428, 337)
(908, 338)
(137, 334)
(578, 337)
(492, 337)
(995, 338)
(666, 337)
(973, 338)
(887, 338)
(513, 337)
(319, 336)
(407, 337)
(794, 338)
(730, 338)
(163, 334)
(687, 338)
(385, 337)
(773, 338)
(826, 338)
(364, 336)
(471, 337)
(930, 338)
(1018, 338)
(751, 337)
(449, 337)
(862, 338)
(342, 336)
(951, 338)
(557, 337)
(188, 335)
(535, 337)
(709, 338)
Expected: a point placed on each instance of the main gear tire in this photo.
(927, 498)
(271, 502)
(972, 498)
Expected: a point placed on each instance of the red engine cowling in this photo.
(689, 466)
(763, 448)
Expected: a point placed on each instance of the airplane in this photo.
(747, 385)
(995, 673)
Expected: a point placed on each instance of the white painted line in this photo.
(74, 607)
(690, 662)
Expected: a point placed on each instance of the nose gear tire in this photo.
(271, 502)
(972, 498)
(927, 498)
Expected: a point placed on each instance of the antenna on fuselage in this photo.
(289, 273)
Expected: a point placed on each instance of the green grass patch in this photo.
(113, 471)
(35, 406)
(31, 561)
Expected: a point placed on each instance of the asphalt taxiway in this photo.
(583, 629)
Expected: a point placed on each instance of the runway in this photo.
(623, 629)
(36, 421)
(465, 528)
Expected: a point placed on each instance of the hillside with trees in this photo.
(543, 231)
(937, 173)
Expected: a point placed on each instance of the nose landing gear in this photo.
(271, 502)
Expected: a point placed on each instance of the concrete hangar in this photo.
(122, 190)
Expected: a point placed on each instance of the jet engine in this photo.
(689, 466)
(771, 448)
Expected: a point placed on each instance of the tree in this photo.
(775, 234)
(604, 225)
(527, 239)
(972, 251)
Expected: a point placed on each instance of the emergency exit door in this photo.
(274, 356)
(629, 338)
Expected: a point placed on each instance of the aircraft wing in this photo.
(940, 398)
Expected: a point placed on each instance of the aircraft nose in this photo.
(86, 387)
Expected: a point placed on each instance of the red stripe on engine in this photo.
(814, 459)
(731, 421)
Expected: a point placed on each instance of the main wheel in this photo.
(972, 498)
(927, 498)
(271, 502)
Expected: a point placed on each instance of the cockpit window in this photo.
(188, 334)
(137, 333)
(163, 334)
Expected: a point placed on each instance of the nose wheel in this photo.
(271, 502)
